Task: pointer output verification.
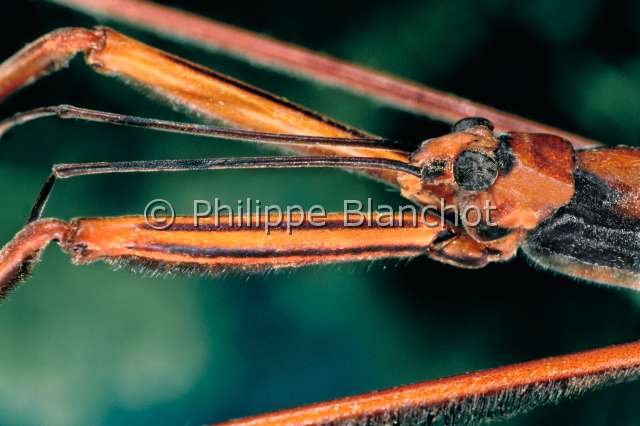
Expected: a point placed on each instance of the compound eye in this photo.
(470, 122)
(474, 171)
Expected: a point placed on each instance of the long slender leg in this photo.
(267, 240)
(245, 44)
(470, 398)
(258, 242)
(195, 88)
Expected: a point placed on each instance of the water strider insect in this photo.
(588, 193)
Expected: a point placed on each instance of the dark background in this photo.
(87, 345)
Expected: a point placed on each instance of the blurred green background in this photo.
(87, 345)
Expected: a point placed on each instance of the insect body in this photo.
(573, 211)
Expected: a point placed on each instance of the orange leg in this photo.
(483, 395)
(245, 44)
(218, 244)
(180, 82)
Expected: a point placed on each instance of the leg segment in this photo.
(470, 398)
(45, 55)
(259, 242)
(20, 254)
(217, 244)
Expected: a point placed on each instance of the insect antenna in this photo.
(41, 201)
(72, 112)
(65, 171)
